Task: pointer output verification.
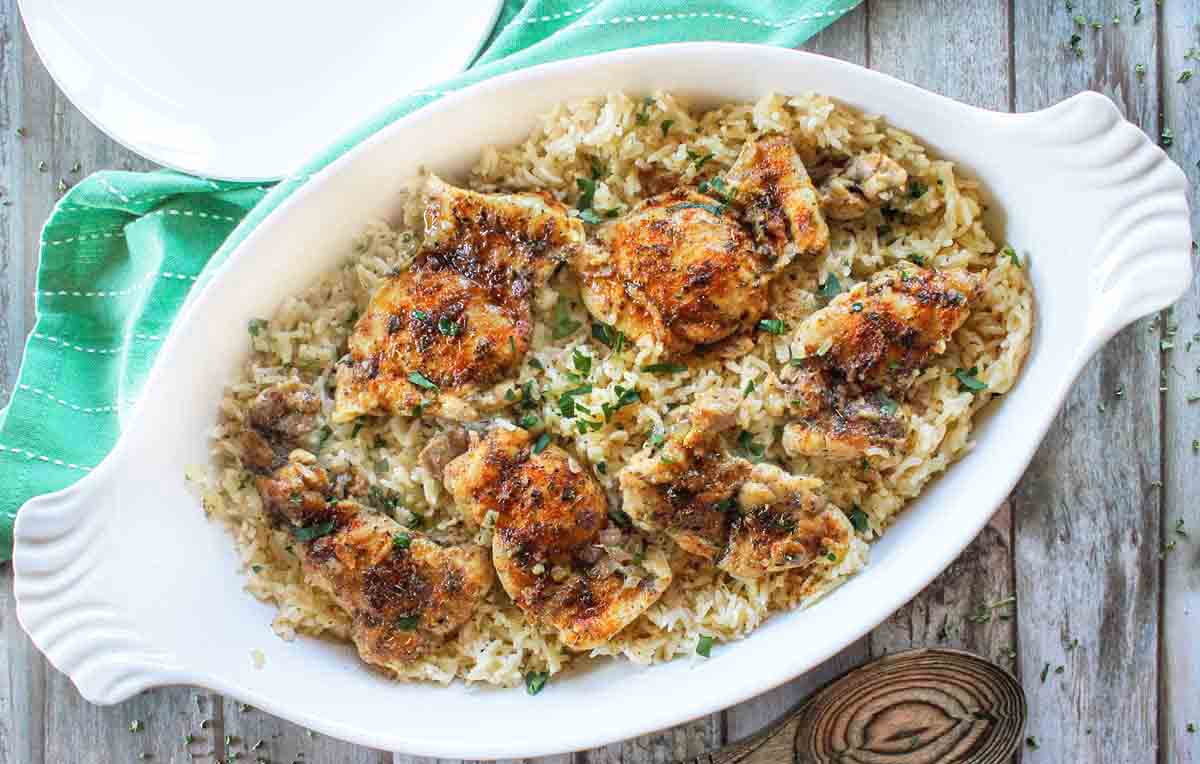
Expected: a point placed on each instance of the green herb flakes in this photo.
(449, 327)
(401, 541)
(830, 288)
(563, 326)
(916, 189)
(664, 368)
(540, 444)
(582, 362)
(315, 531)
(529, 421)
(750, 448)
(859, 520)
(620, 519)
(666, 126)
(715, 209)
(256, 325)
(587, 193)
(704, 646)
(419, 315)
(774, 326)
(324, 434)
(887, 405)
(408, 622)
(1184, 76)
(1011, 254)
(535, 681)
(643, 115)
(748, 389)
(602, 468)
(967, 381)
(1032, 742)
(420, 380)
(608, 336)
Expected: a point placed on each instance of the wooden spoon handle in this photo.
(930, 706)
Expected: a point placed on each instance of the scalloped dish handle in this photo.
(1136, 197)
(64, 602)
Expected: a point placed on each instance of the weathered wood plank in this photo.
(1087, 511)
(12, 264)
(924, 43)
(256, 734)
(1180, 658)
(847, 40)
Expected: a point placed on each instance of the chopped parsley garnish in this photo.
(325, 434)
(420, 380)
(915, 258)
(408, 622)
(1011, 254)
(666, 126)
(917, 189)
(859, 519)
(749, 447)
(856, 307)
(968, 382)
(529, 421)
(587, 192)
(598, 169)
(656, 439)
(602, 468)
(401, 541)
(643, 115)
(1184, 76)
(620, 519)
(625, 396)
(607, 335)
(535, 681)
(383, 498)
(718, 188)
(772, 326)
(887, 405)
(664, 368)
(582, 362)
(420, 315)
(316, 531)
(831, 288)
(416, 519)
(358, 425)
(449, 327)
(748, 389)
(699, 159)
(535, 363)
(590, 216)
(715, 209)
(256, 325)
(564, 326)
(725, 505)
(540, 444)
(704, 646)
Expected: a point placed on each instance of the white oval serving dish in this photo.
(124, 584)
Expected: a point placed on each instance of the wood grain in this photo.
(1180, 660)
(1083, 531)
(1087, 511)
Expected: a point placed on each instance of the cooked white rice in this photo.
(617, 136)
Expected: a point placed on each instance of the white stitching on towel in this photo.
(711, 15)
(557, 16)
(100, 351)
(31, 456)
(112, 189)
(72, 406)
(147, 279)
(84, 237)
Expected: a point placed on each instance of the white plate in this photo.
(113, 574)
(247, 89)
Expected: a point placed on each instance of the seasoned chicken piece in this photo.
(776, 199)
(846, 431)
(460, 317)
(286, 410)
(279, 416)
(876, 337)
(678, 268)
(782, 523)
(749, 519)
(869, 180)
(688, 490)
(442, 449)
(551, 537)
(404, 593)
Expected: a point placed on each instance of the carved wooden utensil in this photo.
(929, 706)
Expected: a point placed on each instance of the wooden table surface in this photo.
(1104, 630)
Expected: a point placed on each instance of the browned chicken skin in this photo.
(460, 317)
(404, 592)
(776, 199)
(866, 343)
(550, 517)
(749, 519)
(692, 269)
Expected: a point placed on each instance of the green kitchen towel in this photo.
(122, 250)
